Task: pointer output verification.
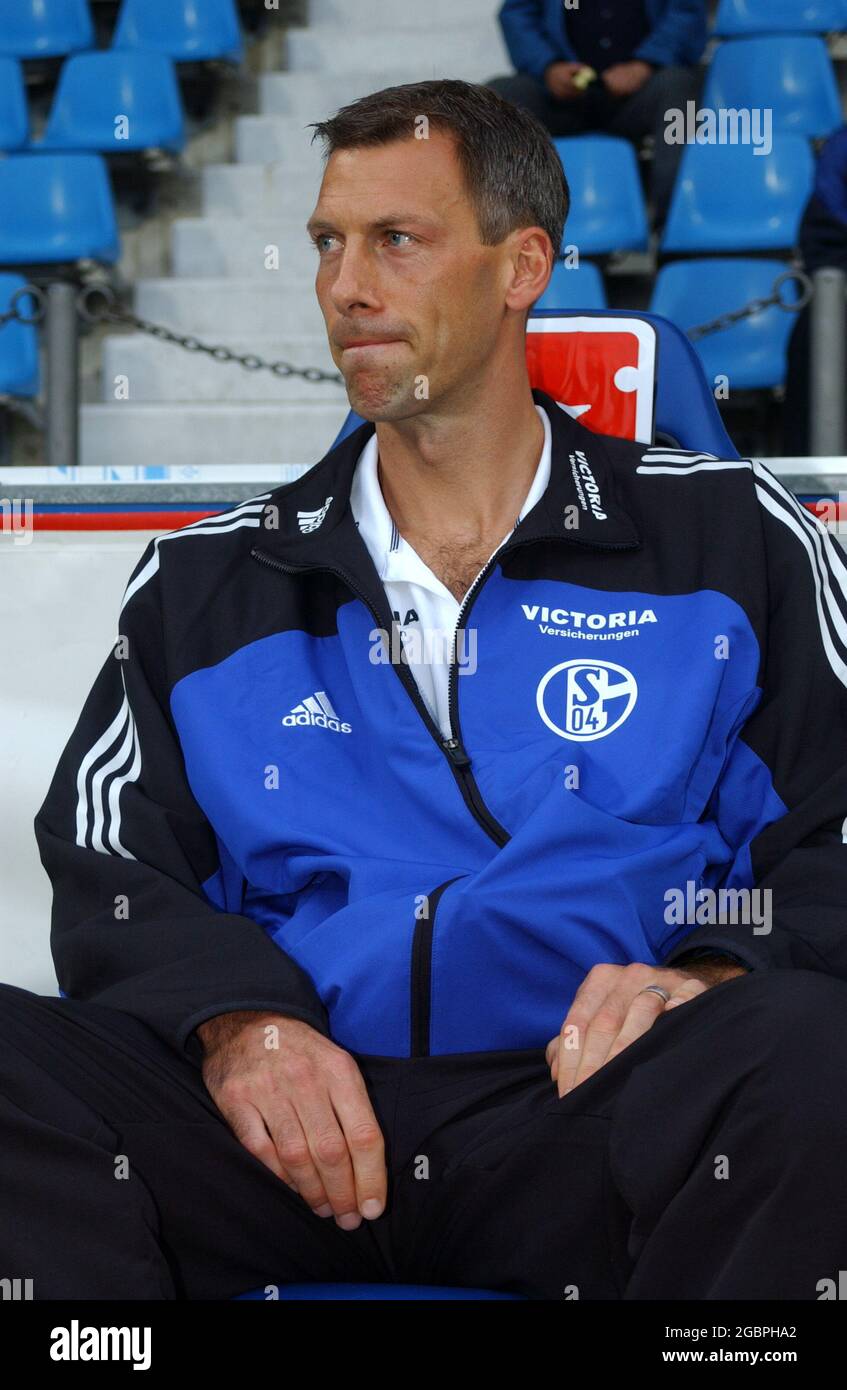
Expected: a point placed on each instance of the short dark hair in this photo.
(512, 172)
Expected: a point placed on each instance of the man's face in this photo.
(402, 273)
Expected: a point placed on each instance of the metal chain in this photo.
(15, 312)
(757, 306)
(112, 312)
(252, 362)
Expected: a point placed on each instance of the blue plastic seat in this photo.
(14, 115)
(607, 211)
(728, 198)
(18, 344)
(577, 287)
(742, 17)
(186, 31)
(751, 354)
(394, 1292)
(97, 88)
(56, 207)
(44, 28)
(790, 75)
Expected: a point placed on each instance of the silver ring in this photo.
(656, 989)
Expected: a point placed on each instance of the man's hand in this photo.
(610, 1011)
(625, 79)
(301, 1108)
(558, 79)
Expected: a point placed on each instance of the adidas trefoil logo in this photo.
(317, 710)
(310, 521)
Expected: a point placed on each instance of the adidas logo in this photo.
(317, 710)
(310, 521)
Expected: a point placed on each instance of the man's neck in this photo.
(462, 480)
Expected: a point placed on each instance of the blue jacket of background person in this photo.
(535, 33)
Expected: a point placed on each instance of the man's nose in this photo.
(353, 281)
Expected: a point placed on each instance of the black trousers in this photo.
(633, 117)
(705, 1161)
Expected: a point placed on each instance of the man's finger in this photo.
(364, 1142)
(641, 1015)
(688, 990)
(250, 1130)
(592, 996)
(331, 1154)
(575, 1064)
(296, 1156)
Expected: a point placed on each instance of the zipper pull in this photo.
(455, 752)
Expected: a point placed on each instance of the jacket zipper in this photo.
(452, 748)
(421, 1003)
(460, 763)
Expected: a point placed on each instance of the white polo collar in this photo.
(393, 557)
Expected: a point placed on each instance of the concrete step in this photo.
(273, 250)
(313, 96)
(472, 51)
(219, 310)
(208, 433)
(157, 371)
(368, 15)
(256, 191)
(287, 141)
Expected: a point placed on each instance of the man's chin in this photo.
(378, 399)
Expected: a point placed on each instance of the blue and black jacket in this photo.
(256, 811)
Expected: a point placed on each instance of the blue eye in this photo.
(406, 234)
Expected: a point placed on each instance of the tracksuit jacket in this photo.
(256, 811)
(535, 33)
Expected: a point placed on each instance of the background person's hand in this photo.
(609, 1011)
(625, 79)
(302, 1108)
(558, 79)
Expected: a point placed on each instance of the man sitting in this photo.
(386, 969)
(611, 65)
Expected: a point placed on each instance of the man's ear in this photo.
(531, 266)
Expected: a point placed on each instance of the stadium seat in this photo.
(184, 30)
(14, 116)
(790, 75)
(742, 17)
(751, 354)
(728, 198)
(18, 344)
(575, 287)
(44, 28)
(96, 88)
(607, 209)
(56, 208)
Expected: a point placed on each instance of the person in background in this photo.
(615, 66)
(823, 242)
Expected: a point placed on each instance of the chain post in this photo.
(62, 391)
(828, 364)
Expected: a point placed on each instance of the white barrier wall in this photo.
(60, 596)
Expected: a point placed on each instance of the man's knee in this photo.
(673, 86)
